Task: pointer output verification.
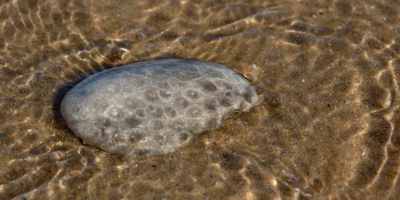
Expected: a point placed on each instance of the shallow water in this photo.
(327, 128)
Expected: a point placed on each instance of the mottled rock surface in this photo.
(154, 107)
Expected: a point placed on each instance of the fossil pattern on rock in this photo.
(154, 107)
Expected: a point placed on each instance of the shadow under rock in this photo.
(58, 119)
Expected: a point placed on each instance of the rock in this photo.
(154, 107)
(3, 137)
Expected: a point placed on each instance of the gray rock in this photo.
(3, 137)
(154, 107)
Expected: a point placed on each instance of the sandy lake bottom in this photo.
(327, 126)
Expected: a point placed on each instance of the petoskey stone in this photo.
(154, 107)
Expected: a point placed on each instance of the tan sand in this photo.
(327, 128)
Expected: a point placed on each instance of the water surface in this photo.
(327, 128)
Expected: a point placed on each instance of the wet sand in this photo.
(327, 126)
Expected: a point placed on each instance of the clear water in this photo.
(328, 127)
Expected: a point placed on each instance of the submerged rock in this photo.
(154, 107)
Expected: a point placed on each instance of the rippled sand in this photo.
(327, 128)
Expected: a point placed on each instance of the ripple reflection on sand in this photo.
(328, 127)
